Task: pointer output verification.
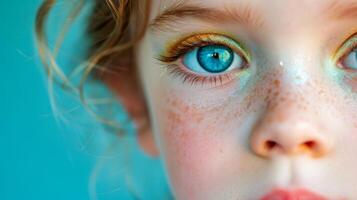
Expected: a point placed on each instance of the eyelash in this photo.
(181, 48)
(194, 79)
(346, 49)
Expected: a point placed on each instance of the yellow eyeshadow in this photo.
(211, 38)
(347, 44)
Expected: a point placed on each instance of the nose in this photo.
(290, 138)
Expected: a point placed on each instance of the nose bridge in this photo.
(295, 76)
(288, 95)
(289, 125)
(297, 62)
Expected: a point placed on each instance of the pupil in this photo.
(216, 55)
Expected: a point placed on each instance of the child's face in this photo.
(266, 100)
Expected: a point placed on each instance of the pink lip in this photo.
(280, 194)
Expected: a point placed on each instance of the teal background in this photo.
(39, 158)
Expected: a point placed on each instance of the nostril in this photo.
(310, 144)
(270, 144)
(302, 141)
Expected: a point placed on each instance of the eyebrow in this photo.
(173, 14)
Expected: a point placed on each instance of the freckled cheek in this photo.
(350, 103)
(193, 144)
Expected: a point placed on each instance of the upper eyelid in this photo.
(215, 38)
(344, 46)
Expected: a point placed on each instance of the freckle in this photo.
(174, 117)
(269, 91)
(276, 83)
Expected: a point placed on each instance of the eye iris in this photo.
(215, 58)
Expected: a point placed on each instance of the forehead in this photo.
(263, 17)
(269, 9)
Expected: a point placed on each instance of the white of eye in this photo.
(350, 61)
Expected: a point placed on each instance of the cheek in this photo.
(351, 98)
(196, 139)
(352, 82)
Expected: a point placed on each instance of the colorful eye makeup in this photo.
(347, 54)
(206, 58)
(214, 58)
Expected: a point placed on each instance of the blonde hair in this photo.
(114, 27)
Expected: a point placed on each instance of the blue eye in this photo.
(212, 59)
(215, 58)
(350, 61)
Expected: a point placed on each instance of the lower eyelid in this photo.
(210, 81)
